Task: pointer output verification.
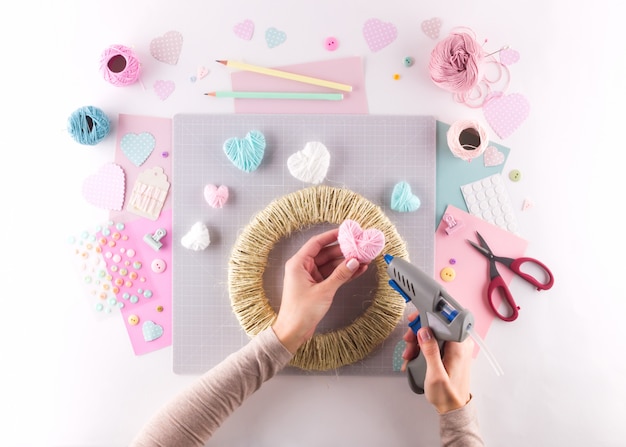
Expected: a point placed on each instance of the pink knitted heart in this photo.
(356, 243)
(505, 113)
(216, 196)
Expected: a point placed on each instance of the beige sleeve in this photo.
(192, 417)
(459, 428)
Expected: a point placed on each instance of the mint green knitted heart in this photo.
(246, 153)
(402, 199)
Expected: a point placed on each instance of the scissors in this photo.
(515, 265)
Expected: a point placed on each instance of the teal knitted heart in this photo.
(402, 199)
(246, 153)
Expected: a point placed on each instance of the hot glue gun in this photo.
(447, 319)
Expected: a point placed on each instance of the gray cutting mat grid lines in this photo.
(369, 155)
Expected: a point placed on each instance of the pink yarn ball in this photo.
(119, 65)
(455, 63)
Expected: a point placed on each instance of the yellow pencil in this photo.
(287, 75)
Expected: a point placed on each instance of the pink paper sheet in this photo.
(469, 287)
(347, 71)
(158, 307)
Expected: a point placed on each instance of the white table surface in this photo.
(67, 381)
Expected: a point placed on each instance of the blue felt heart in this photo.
(151, 331)
(246, 153)
(137, 147)
(402, 199)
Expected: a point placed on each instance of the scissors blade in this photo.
(482, 250)
(483, 243)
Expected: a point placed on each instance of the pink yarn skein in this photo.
(119, 65)
(455, 63)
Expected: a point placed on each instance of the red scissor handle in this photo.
(498, 284)
(516, 266)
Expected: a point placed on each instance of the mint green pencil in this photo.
(278, 95)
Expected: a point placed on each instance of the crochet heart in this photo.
(167, 47)
(151, 331)
(137, 147)
(274, 37)
(402, 199)
(216, 196)
(244, 30)
(246, 153)
(311, 163)
(164, 89)
(505, 113)
(493, 157)
(363, 245)
(105, 189)
(379, 34)
(432, 27)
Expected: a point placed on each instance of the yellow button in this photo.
(133, 320)
(447, 274)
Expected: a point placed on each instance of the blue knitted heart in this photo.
(402, 199)
(246, 153)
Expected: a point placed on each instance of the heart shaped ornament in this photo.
(311, 163)
(509, 56)
(105, 189)
(505, 113)
(403, 199)
(246, 153)
(216, 196)
(167, 47)
(244, 30)
(137, 147)
(197, 238)
(164, 89)
(151, 331)
(379, 34)
(275, 37)
(492, 156)
(432, 27)
(363, 245)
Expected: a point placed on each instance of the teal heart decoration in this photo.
(137, 147)
(403, 200)
(151, 331)
(274, 37)
(246, 153)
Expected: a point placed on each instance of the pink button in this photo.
(158, 266)
(331, 43)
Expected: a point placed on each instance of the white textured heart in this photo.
(311, 163)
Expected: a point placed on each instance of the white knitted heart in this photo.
(311, 163)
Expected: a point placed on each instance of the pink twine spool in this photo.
(120, 66)
(467, 139)
(455, 63)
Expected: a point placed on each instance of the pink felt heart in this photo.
(363, 245)
(105, 189)
(167, 47)
(216, 196)
(509, 56)
(164, 89)
(432, 27)
(505, 113)
(493, 157)
(379, 34)
(244, 30)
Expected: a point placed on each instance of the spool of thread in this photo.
(120, 66)
(88, 125)
(455, 62)
(467, 139)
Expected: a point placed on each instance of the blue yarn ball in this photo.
(88, 125)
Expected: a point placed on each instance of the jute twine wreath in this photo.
(293, 212)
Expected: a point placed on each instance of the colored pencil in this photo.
(278, 95)
(287, 75)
